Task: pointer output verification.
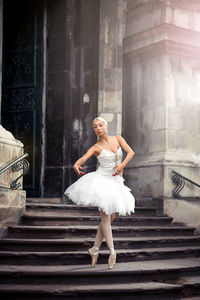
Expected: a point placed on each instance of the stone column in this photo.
(161, 95)
(12, 202)
(110, 63)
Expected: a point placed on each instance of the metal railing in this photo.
(179, 180)
(16, 165)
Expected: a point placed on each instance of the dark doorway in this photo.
(71, 86)
(23, 81)
(72, 89)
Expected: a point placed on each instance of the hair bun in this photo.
(101, 119)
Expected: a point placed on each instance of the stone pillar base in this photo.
(185, 211)
(13, 203)
(149, 176)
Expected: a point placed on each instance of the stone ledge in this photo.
(159, 33)
(161, 48)
(191, 6)
(171, 159)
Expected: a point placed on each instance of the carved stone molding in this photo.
(160, 33)
(192, 5)
(6, 137)
(161, 48)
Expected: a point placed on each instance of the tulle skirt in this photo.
(103, 191)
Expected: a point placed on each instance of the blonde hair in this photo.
(100, 119)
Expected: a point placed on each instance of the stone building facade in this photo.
(134, 62)
(161, 99)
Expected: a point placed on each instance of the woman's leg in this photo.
(112, 217)
(106, 229)
(100, 235)
(107, 232)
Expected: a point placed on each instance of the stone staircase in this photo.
(46, 256)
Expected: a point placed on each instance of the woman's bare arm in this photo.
(129, 155)
(77, 166)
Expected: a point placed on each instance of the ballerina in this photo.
(104, 188)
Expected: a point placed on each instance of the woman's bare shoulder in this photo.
(95, 149)
(119, 138)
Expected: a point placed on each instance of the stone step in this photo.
(156, 259)
(61, 245)
(55, 209)
(58, 232)
(191, 285)
(191, 298)
(128, 272)
(39, 220)
(44, 200)
(82, 257)
(135, 291)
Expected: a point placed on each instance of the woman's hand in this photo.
(77, 169)
(118, 169)
(77, 165)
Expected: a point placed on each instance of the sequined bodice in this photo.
(107, 160)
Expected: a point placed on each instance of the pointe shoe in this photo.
(112, 259)
(94, 253)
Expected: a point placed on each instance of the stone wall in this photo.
(12, 202)
(185, 211)
(112, 26)
(161, 103)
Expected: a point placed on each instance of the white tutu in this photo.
(101, 189)
(105, 192)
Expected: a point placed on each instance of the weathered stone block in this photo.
(196, 21)
(182, 18)
(12, 198)
(184, 211)
(152, 118)
(145, 181)
(12, 202)
(108, 57)
(10, 149)
(12, 207)
(169, 15)
(151, 17)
